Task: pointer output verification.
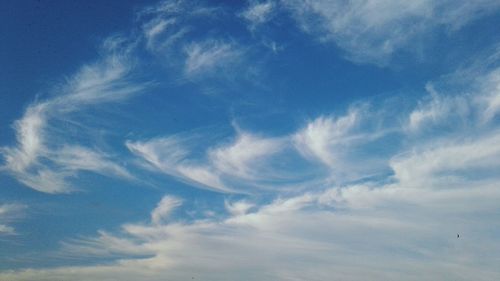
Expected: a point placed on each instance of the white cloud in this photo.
(457, 138)
(9, 213)
(319, 138)
(170, 156)
(74, 158)
(205, 176)
(46, 180)
(442, 185)
(161, 33)
(209, 56)
(466, 99)
(166, 28)
(238, 208)
(372, 31)
(5, 229)
(29, 136)
(164, 209)
(236, 162)
(156, 27)
(43, 158)
(490, 99)
(348, 145)
(450, 163)
(245, 156)
(437, 110)
(315, 236)
(258, 13)
(162, 153)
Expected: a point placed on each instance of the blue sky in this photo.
(249, 140)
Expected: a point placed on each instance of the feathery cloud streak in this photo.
(8, 213)
(372, 31)
(40, 160)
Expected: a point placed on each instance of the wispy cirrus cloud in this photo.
(211, 56)
(168, 28)
(258, 13)
(43, 159)
(243, 159)
(352, 147)
(388, 194)
(466, 98)
(372, 31)
(450, 163)
(9, 213)
(173, 34)
(170, 156)
(491, 98)
(443, 184)
(318, 138)
(164, 209)
(436, 110)
(453, 134)
(345, 144)
(440, 187)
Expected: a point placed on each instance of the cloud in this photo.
(320, 136)
(210, 56)
(154, 28)
(9, 213)
(164, 209)
(43, 158)
(194, 52)
(245, 157)
(204, 176)
(372, 31)
(165, 25)
(236, 162)
(170, 156)
(466, 99)
(450, 163)
(167, 29)
(348, 145)
(258, 13)
(162, 153)
(29, 137)
(312, 236)
(491, 99)
(238, 208)
(452, 134)
(442, 186)
(74, 158)
(385, 198)
(437, 110)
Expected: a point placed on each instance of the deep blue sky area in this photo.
(249, 140)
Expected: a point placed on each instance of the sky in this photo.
(249, 140)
